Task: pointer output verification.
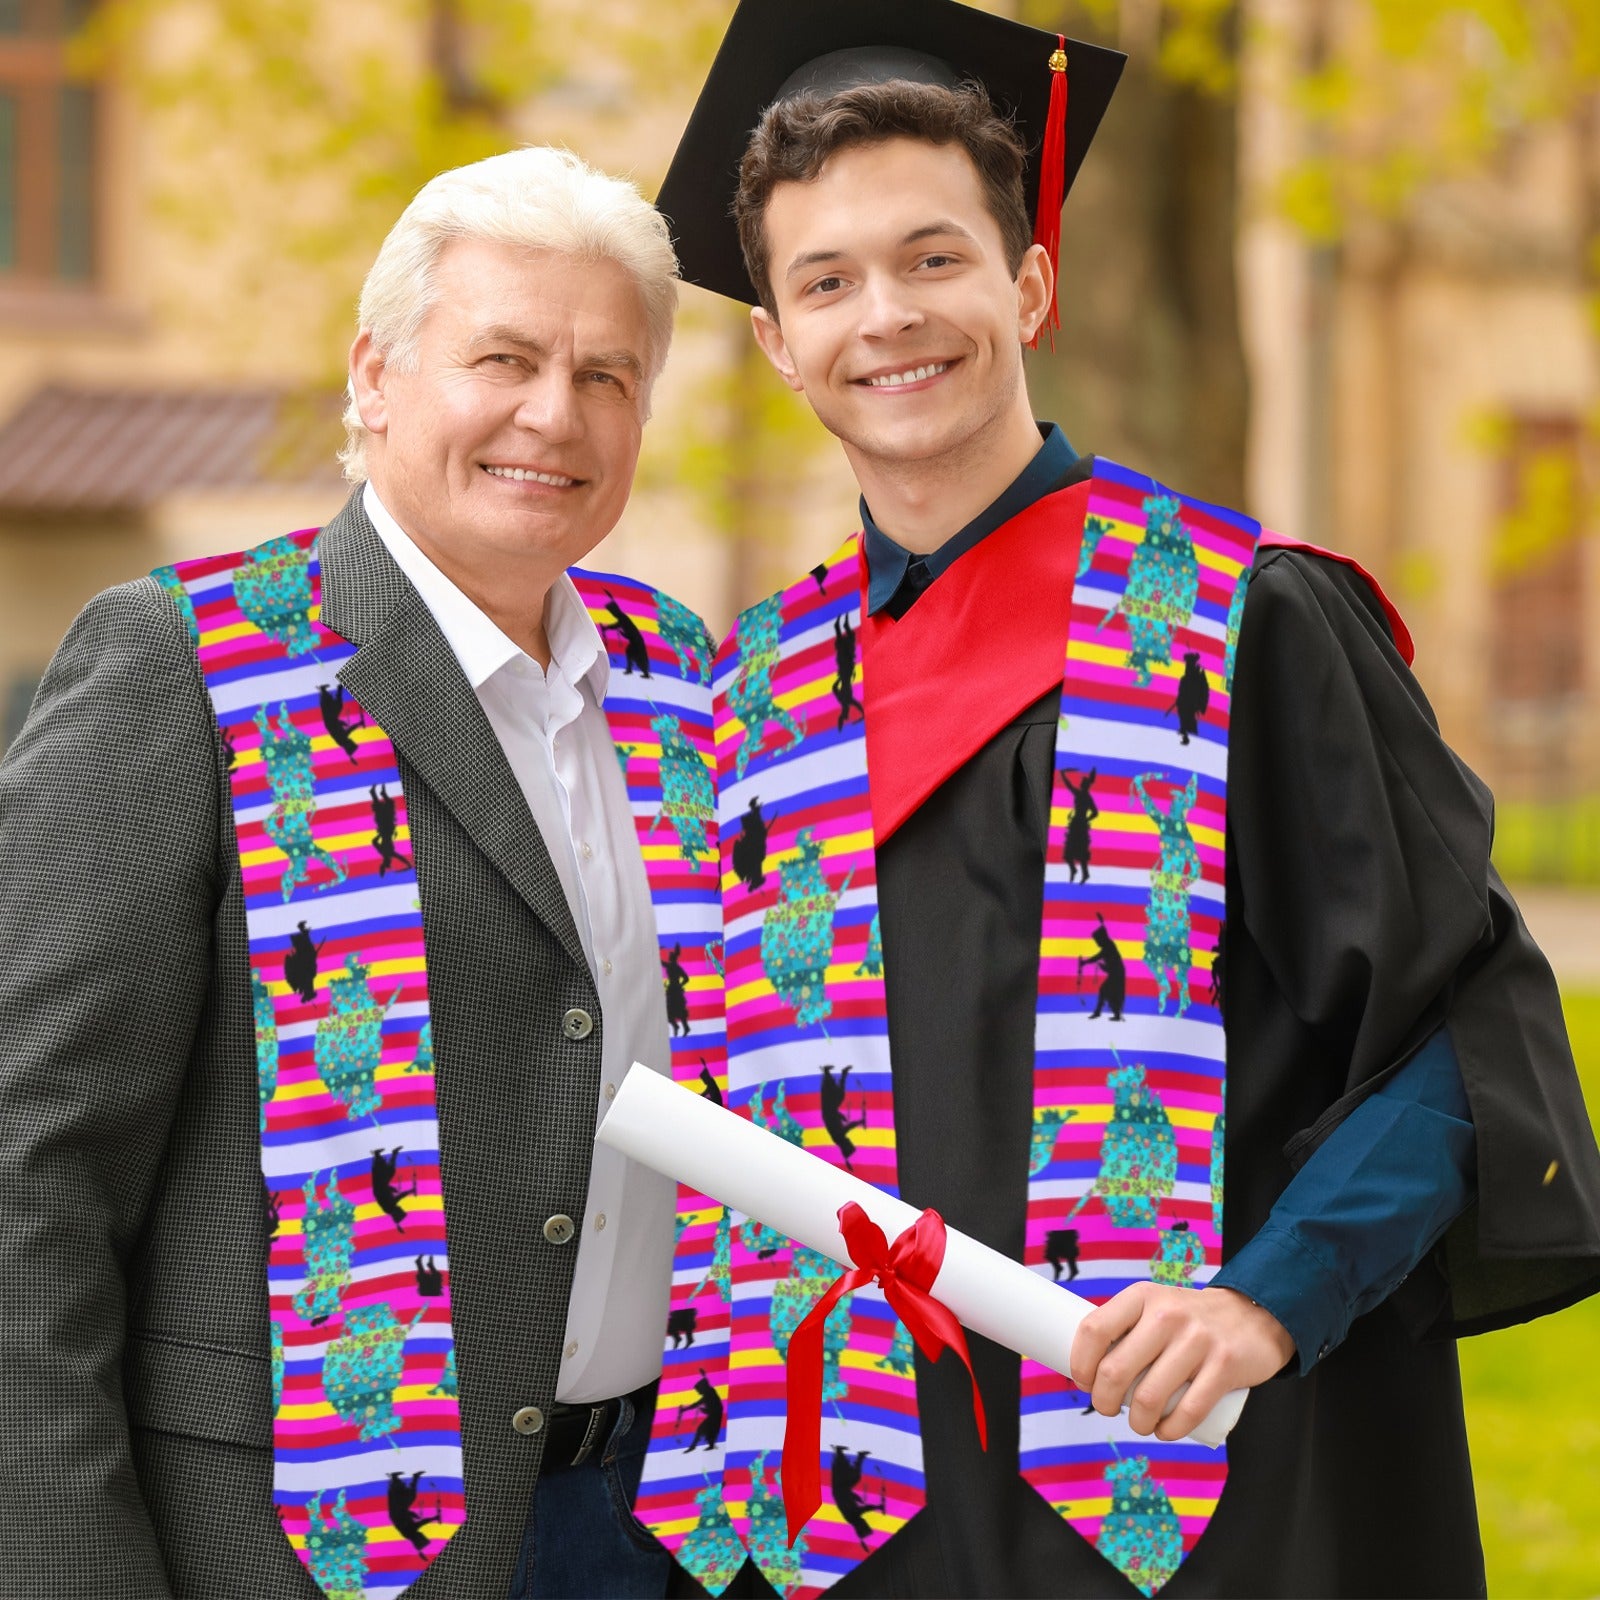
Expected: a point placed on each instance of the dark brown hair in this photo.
(795, 138)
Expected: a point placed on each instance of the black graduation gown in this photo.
(1362, 912)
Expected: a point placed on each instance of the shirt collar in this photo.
(888, 561)
(476, 640)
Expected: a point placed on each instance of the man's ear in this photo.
(774, 347)
(367, 372)
(1036, 282)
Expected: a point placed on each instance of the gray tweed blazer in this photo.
(135, 1394)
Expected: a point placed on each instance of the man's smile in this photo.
(900, 379)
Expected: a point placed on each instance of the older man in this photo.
(325, 932)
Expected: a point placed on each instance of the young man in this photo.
(1113, 740)
(325, 932)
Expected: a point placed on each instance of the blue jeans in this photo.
(583, 1541)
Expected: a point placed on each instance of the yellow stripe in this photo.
(752, 1359)
(1134, 533)
(1101, 1507)
(397, 967)
(1110, 655)
(416, 1205)
(1098, 1116)
(1135, 822)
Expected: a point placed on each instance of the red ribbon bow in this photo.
(906, 1271)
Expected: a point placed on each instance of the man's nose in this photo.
(549, 406)
(887, 307)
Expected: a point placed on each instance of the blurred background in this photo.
(1335, 262)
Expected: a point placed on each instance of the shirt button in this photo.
(607, 968)
(588, 851)
(572, 1350)
(530, 1419)
(577, 1024)
(611, 1091)
(559, 1229)
(600, 1222)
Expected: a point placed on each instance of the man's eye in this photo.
(826, 285)
(938, 261)
(503, 357)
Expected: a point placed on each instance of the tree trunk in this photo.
(1148, 366)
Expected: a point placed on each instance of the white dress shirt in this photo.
(554, 734)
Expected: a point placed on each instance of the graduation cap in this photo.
(1055, 91)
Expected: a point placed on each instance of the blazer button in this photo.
(530, 1419)
(577, 1024)
(559, 1229)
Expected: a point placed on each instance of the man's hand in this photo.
(1212, 1339)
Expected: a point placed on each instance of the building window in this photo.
(1538, 567)
(48, 139)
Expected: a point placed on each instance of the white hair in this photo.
(537, 197)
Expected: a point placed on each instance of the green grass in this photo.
(1533, 1414)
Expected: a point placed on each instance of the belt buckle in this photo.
(590, 1435)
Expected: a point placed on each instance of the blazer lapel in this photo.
(405, 676)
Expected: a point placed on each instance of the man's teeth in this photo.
(913, 376)
(518, 475)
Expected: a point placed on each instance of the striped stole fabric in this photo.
(1125, 1165)
(1125, 1175)
(367, 1442)
(658, 707)
(366, 1435)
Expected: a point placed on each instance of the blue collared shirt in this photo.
(1377, 1195)
(889, 565)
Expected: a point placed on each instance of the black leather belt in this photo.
(574, 1434)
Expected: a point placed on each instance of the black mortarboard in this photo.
(777, 48)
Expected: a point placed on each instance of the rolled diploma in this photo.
(681, 1134)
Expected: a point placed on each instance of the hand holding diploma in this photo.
(685, 1136)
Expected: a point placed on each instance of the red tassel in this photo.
(1052, 183)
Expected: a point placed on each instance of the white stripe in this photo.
(305, 1478)
(1065, 1189)
(269, 921)
(1153, 747)
(278, 681)
(347, 1149)
(1178, 1036)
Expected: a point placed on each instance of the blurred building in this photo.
(1423, 393)
(1426, 396)
(160, 401)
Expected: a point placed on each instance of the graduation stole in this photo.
(1130, 596)
(366, 1431)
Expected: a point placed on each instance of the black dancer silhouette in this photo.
(402, 1497)
(710, 1406)
(680, 1326)
(1194, 695)
(430, 1281)
(274, 1217)
(228, 750)
(634, 651)
(1114, 987)
(341, 732)
(846, 1476)
(750, 848)
(384, 1168)
(1217, 975)
(713, 1093)
(1084, 811)
(677, 991)
(383, 819)
(820, 573)
(300, 965)
(1061, 1245)
(832, 1093)
(844, 657)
